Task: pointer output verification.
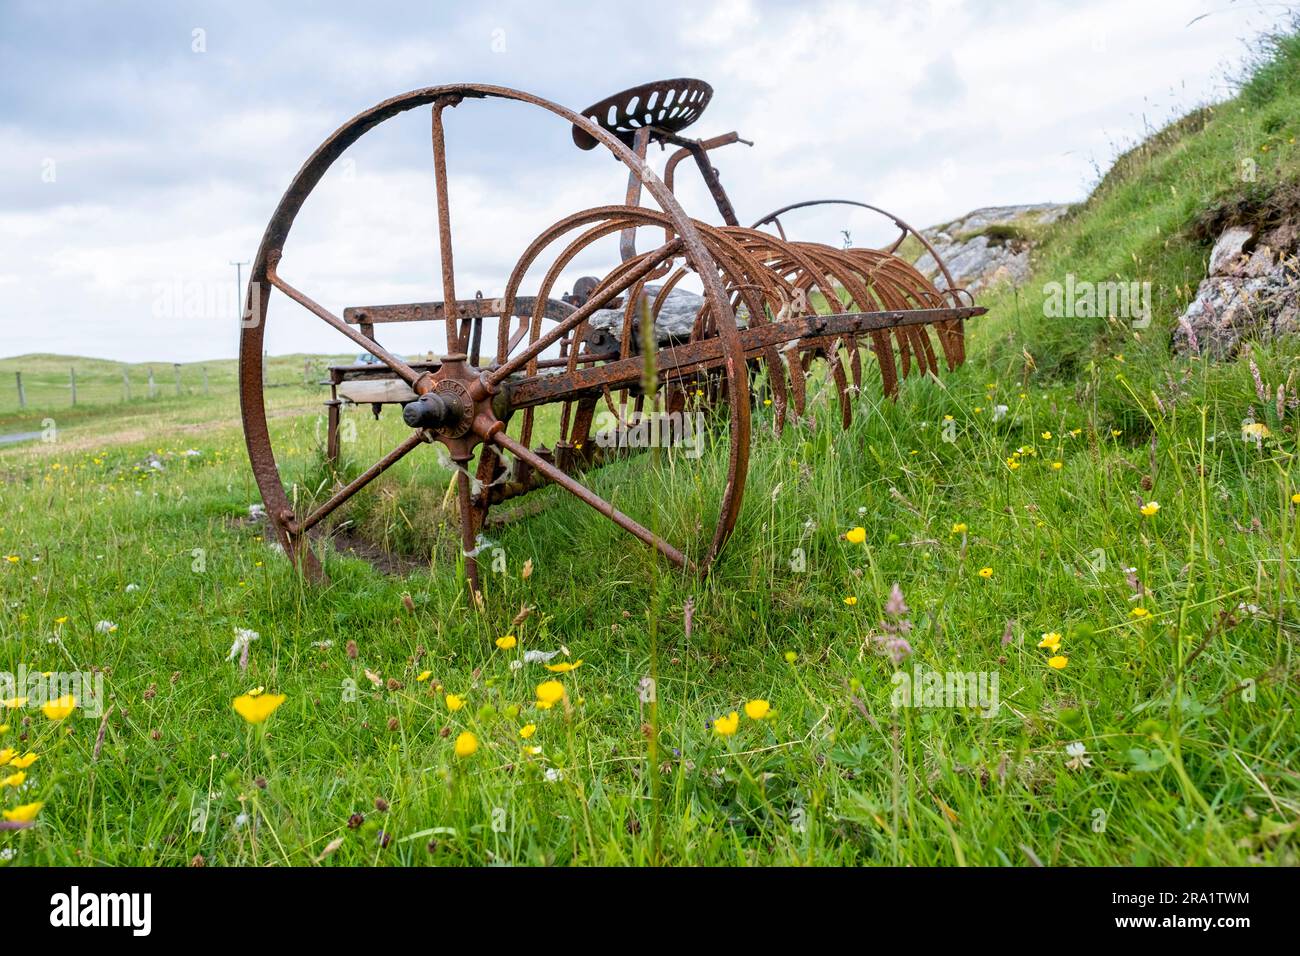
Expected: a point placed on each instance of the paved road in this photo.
(17, 437)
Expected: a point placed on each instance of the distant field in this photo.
(117, 389)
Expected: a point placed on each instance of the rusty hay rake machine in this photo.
(770, 304)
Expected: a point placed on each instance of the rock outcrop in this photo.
(988, 246)
(674, 322)
(1252, 291)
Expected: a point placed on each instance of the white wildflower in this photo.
(243, 637)
(539, 657)
(105, 627)
(1078, 756)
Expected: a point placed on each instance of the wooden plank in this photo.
(383, 391)
(435, 311)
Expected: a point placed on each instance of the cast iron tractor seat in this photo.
(667, 106)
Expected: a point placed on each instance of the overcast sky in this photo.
(144, 145)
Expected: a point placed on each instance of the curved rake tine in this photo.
(561, 329)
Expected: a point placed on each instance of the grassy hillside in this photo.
(1147, 221)
(1111, 550)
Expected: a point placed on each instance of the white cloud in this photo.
(927, 109)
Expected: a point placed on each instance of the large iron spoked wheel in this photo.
(467, 407)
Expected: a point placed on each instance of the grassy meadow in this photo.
(1075, 514)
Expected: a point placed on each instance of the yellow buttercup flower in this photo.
(7, 755)
(454, 702)
(527, 730)
(1057, 465)
(12, 558)
(726, 726)
(23, 762)
(1295, 498)
(1139, 612)
(850, 600)
(466, 744)
(507, 642)
(1047, 436)
(257, 692)
(59, 709)
(1149, 509)
(757, 709)
(255, 710)
(23, 814)
(986, 573)
(1058, 662)
(790, 657)
(424, 676)
(14, 780)
(564, 667)
(856, 535)
(1051, 641)
(550, 692)
(61, 620)
(959, 528)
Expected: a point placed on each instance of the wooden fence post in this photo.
(22, 396)
(205, 380)
(72, 377)
(151, 385)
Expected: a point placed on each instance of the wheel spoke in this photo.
(467, 530)
(456, 342)
(588, 496)
(404, 371)
(363, 479)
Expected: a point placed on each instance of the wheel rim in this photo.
(263, 276)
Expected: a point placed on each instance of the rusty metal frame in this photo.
(468, 406)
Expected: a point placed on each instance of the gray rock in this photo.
(1246, 295)
(978, 253)
(1226, 257)
(675, 319)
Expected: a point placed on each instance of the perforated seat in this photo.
(667, 105)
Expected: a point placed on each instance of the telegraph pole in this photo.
(239, 287)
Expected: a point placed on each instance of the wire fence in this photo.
(43, 387)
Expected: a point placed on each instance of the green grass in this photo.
(1186, 715)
